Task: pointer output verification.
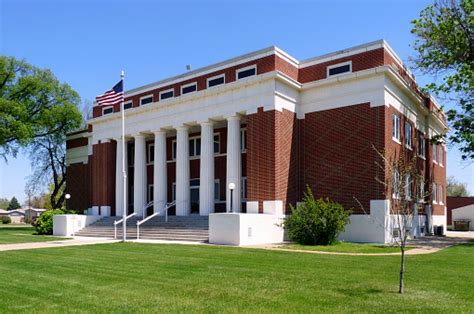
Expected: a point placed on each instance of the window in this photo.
(435, 153)
(149, 197)
(441, 195)
(339, 68)
(396, 128)
(127, 105)
(173, 192)
(173, 149)
(421, 192)
(217, 190)
(421, 145)
(146, 100)
(186, 89)
(246, 72)
(243, 188)
(151, 154)
(396, 184)
(194, 147)
(167, 94)
(435, 196)
(408, 187)
(243, 140)
(107, 110)
(217, 143)
(216, 80)
(408, 139)
(441, 155)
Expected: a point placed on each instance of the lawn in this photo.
(177, 278)
(20, 234)
(346, 247)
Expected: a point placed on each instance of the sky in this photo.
(88, 43)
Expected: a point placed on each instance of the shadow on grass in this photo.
(360, 292)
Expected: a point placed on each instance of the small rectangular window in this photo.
(217, 190)
(246, 72)
(435, 196)
(396, 127)
(107, 110)
(146, 100)
(188, 88)
(127, 105)
(441, 195)
(243, 140)
(421, 192)
(166, 94)
(150, 193)
(151, 153)
(173, 192)
(217, 144)
(173, 149)
(441, 155)
(421, 145)
(396, 184)
(217, 80)
(435, 153)
(408, 139)
(243, 189)
(339, 68)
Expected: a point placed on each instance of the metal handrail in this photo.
(168, 206)
(116, 222)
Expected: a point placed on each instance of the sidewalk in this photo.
(60, 243)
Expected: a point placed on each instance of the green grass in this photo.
(22, 234)
(134, 277)
(346, 247)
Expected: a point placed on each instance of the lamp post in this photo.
(231, 188)
(67, 196)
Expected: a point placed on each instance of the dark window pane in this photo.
(339, 70)
(216, 191)
(194, 182)
(152, 153)
(216, 144)
(108, 110)
(166, 95)
(128, 105)
(191, 147)
(174, 150)
(189, 89)
(246, 73)
(216, 81)
(147, 100)
(198, 147)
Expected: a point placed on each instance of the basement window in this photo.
(107, 110)
(246, 72)
(340, 68)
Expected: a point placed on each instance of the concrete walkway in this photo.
(59, 243)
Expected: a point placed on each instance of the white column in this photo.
(160, 173)
(118, 179)
(139, 176)
(234, 166)
(183, 193)
(206, 179)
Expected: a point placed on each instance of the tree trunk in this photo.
(402, 268)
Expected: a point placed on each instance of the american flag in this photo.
(111, 97)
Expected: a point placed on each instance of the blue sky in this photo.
(87, 43)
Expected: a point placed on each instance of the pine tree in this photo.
(14, 204)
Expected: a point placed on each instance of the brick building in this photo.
(271, 125)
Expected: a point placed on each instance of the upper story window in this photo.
(441, 155)
(146, 100)
(435, 194)
(107, 110)
(441, 195)
(396, 184)
(167, 94)
(421, 192)
(243, 140)
(128, 105)
(151, 154)
(243, 189)
(339, 68)
(186, 89)
(173, 149)
(435, 153)
(194, 147)
(216, 80)
(217, 143)
(396, 127)
(421, 145)
(408, 135)
(246, 72)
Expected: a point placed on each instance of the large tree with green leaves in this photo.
(36, 113)
(444, 46)
(14, 204)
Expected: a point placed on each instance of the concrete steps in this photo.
(178, 228)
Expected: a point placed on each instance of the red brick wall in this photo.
(103, 174)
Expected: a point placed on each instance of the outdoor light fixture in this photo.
(231, 188)
(68, 196)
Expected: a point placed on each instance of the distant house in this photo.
(33, 213)
(17, 215)
(3, 212)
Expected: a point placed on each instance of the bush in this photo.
(316, 222)
(44, 223)
(6, 220)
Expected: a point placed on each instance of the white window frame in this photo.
(144, 97)
(329, 67)
(434, 151)
(243, 140)
(435, 193)
(194, 138)
(164, 92)
(421, 141)
(243, 188)
(213, 78)
(396, 128)
(151, 147)
(441, 155)
(396, 184)
(441, 194)
(408, 137)
(188, 85)
(105, 108)
(219, 143)
(149, 196)
(218, 182)
(126, 103)
(253, 66)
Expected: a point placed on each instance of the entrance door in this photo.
(194, 186)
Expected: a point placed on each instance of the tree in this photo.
(444, 46)
(455, 188)
(33, 104)
(4, 202)
(14, 204)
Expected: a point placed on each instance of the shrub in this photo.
(316, 222)
(6, 220)
(44, 223)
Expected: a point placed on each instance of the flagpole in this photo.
(124, 172)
